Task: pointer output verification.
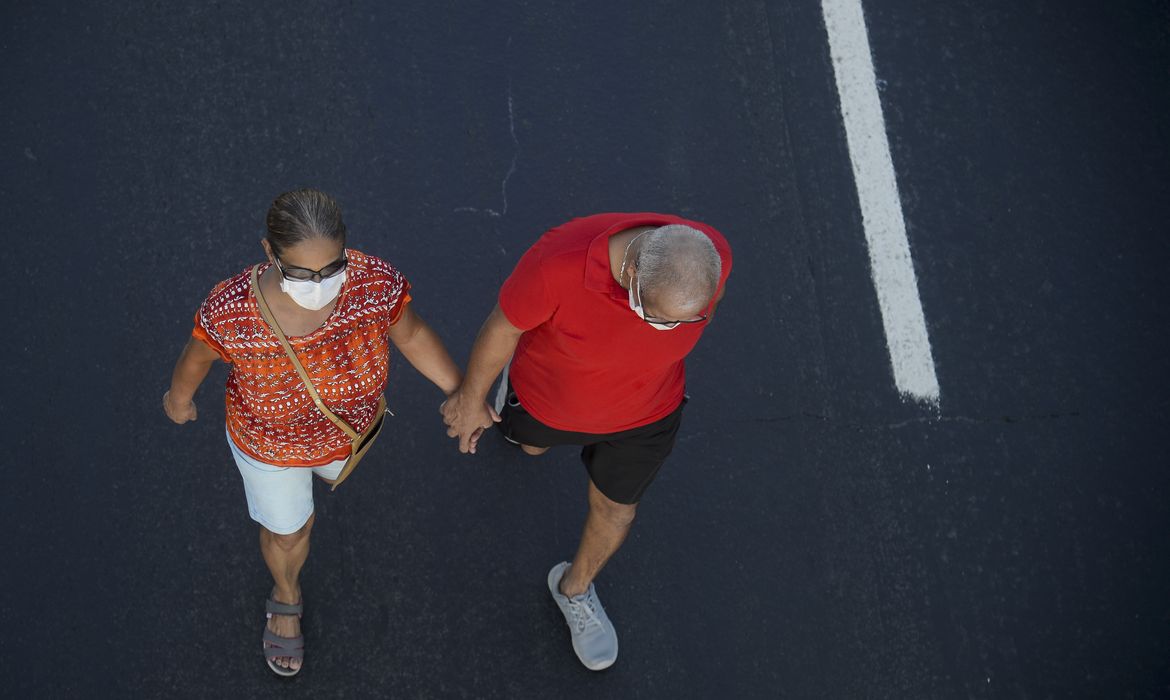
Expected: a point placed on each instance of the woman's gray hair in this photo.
(300, 215)
(679, 266)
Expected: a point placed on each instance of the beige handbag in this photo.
(362, 441)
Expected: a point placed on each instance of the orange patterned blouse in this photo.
(269, 413)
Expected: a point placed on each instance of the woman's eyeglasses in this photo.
(292, 272)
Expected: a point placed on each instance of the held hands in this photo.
(466, 419)
(179, 412)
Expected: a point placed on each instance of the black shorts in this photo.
(621, 465)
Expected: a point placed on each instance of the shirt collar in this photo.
(598, 277)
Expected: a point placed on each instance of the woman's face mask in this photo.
(313, 295)
(307, 293)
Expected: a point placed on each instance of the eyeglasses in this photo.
(661, 321)
(291, 272)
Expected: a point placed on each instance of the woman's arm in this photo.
(193, 365)
(421, 346)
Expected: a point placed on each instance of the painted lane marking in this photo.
(881, 210)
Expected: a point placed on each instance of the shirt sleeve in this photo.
(400, 298)
(724, 249)
(205, 330)
(725, 259)
(524, 297)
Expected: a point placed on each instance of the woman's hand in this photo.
(179, 412)
(192, 367)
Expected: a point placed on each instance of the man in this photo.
(597, 318)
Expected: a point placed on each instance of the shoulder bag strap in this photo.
(271, 320)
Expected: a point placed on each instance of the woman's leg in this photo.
(285, 555)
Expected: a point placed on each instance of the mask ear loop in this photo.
(622, 271)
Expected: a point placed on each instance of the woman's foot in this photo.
(283, 634)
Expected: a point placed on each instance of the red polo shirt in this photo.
(586, 362)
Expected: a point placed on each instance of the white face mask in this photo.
(313, 295)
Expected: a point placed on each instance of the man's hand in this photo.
(465, 412)
(179, 411)
(466, 418)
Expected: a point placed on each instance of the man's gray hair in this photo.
(679, 266)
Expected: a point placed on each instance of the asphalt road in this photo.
(815, 535)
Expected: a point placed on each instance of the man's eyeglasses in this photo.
(292, 272)
(671, 324)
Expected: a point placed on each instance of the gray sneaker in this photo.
(594, 638)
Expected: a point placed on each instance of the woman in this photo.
(339, 309)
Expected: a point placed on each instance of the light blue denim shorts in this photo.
(280, 498)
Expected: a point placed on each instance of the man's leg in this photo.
(624, 464)
(594, 638)
(505, 404)
(606, 528)
(285, 555)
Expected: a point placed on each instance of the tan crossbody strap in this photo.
(271, 320)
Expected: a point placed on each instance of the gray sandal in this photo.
(276, 646)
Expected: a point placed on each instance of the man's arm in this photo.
(190, 371)
(466, 412)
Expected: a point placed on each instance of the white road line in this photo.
(881, 209)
